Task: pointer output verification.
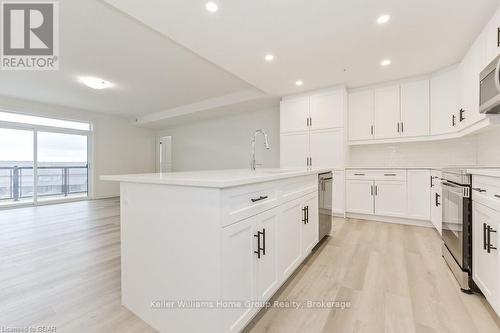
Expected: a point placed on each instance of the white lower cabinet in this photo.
(338, 192)
(486, 258)
(390, 198)
(259, 253)
(418, 188)
(436, 201)
(359, 196)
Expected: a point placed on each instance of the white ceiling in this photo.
(322, 42)
(151, 72)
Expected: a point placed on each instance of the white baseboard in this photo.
(388, 219)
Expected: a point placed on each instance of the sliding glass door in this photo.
(62, 169)
(16, 166)
(42, 159)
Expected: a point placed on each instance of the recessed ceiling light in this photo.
(299, 83)
(212, 7)
(383, 19)
(385, 62)
(269, 57)
(95, 82)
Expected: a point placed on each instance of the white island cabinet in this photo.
(202, 251)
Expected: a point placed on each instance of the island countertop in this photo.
(214, 178)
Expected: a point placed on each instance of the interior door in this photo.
(310, 228)
(361, 115)
(288, 235)
(415, 108)
(327, 110)
(294, 150)
(390, 198)
(387, 112)
(326, 148)
(266, 273)
(359, 196)
(238, 271)
(293, 115)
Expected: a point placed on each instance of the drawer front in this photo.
(244, 201)
(486, 190)
(293, 188)
(377, 174)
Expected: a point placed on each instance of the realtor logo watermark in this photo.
(30, 35)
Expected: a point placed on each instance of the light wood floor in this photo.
(60, 266)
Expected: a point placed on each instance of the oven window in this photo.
(453, 223)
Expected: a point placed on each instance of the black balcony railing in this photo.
(17, 183)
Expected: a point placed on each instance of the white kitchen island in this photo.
(203, 251)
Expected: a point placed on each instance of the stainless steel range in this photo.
(457, 225)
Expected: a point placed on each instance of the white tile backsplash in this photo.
(475, 150)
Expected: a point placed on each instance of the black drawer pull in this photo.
(437, 200)
(497, 196)
(359, 174)
(259, 198)
(480, 190)
(390, 174)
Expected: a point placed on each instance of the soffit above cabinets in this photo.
(322, 42)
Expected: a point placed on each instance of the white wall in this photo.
(481, 149)
(224, 142)
(118, 146)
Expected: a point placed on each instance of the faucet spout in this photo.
(253, 164)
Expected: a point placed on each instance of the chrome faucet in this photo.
(253, 164)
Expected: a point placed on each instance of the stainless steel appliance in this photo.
(457, 226)
(325, 181)
(489, 88)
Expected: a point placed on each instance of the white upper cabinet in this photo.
(361, 115)
(294, 115)
(445, 99)
(327, 110)
(294, 150)
(471, 66)
(415, 106)
(493, 37)
(387, 112)
(327, 148)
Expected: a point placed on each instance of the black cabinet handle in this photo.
(258, 244)
(371, 190)
(259, 198)
(484, 236)
(453, 120)
(480, 190)
(398, 127)
(402, 127)
(498, 37)
(264, 241)
(376, 190)
(371, 129)
(497, 196)
(437, 200)
(462, 118)
(304, 215)
(489, 230)
(390, 174)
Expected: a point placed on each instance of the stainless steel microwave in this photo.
(489, 88)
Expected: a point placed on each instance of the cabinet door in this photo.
(471, 66)
(266, 271)
(361, 115)
(338, 192)
(327, 110)
(436, 208)
(310, 228)
(359, 196)
(238, 271)
(294, 150)
(390, 198)
(387, 112)
(493, 37)
(288, 235)
(415, 106)
(327, 148)
(418, 182)
(486, 265)
(293, 114)
(445, 100)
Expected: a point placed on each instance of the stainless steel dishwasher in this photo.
(325, 181)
